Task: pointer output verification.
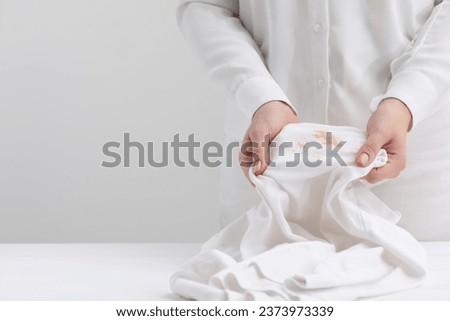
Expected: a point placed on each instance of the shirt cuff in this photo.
(257, 91)
(415, 90)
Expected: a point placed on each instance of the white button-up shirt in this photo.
(333, 61)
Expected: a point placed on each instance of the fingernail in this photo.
(363, 159)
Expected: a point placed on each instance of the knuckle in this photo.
(403, 163)
(372, 177)
(400, 166)
(395, 173)
(246, 148)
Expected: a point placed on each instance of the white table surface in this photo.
(140, 272)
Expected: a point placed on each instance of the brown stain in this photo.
(321, 135)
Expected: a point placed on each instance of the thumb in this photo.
(261, 152)
(369, 150)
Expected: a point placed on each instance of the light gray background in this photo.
(76, 74)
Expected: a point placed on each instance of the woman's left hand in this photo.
(387, 128)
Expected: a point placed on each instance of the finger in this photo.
(261, 155)
(245, 161)
(391, 169)
(367, 153)
(245, 156)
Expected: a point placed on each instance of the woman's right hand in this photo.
(266, 123)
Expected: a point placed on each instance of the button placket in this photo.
(319, 50)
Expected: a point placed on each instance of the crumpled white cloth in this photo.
(319, 233)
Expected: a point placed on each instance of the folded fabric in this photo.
(318, 233)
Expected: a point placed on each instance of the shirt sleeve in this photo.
(228, 52)
(421, 75)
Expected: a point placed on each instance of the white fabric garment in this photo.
(318, 233)
(333, 62)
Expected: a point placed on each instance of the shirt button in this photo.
(317, 27)
(321, 83)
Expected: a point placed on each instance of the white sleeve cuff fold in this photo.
(257, 91)
(415, 90)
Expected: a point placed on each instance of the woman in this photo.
(377, 64)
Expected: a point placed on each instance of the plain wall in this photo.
(77, 74)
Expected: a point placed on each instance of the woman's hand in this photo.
(267, 122)
(387, 128)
